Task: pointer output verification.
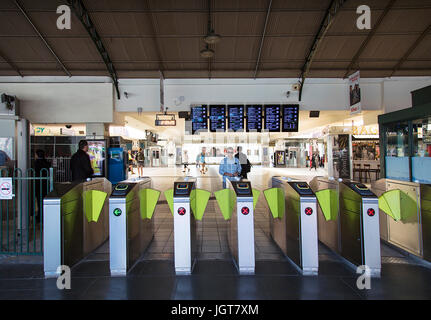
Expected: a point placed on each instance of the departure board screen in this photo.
(272, 118)
(199, 118)
(235, 117)
(290, 118)
(217, 117)
(254, 118)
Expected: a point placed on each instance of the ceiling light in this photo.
(207, 53)
(212, 37)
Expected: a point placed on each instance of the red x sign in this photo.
(371, 212)
(245, 211)
(181, 211)
(308, 211)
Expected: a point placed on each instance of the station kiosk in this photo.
(294, 227)
(131, 227)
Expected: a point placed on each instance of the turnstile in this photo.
(75, 222)
(131, 226)
(407, 222)
(241, 227)
(295, 229)
(184, 226)
(359, 225)
(327, 212)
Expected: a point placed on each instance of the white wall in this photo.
(63, 102)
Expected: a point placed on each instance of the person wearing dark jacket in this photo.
(245, 163)
(41, 168)
(80, 163)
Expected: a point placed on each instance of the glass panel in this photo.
(397, 151)
(421, 161)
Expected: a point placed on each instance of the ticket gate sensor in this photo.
(184, 226)
(237, 205)
(359, 226)
(131, 226)
(294, 228)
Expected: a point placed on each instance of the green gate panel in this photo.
(397, 204)
(256, 194)
(328, 202)
(226, 200)
(93, 204)
(148, 199)
(198, 202)
(169, 194)
(275, 199)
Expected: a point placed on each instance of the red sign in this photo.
(245, 211)
(308, 211)
(371, 212)
(181, 211)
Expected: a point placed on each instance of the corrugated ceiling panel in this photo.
(121, 24)
(25, 49)
(237, 49)
(400, 21)
(286, 48)
(180, 23)
(423, 50)
(128, 49)
(239, 23)
(14, 23)
(339, 47)
(75, 49)
(179, 49)
(294, 23)
(388, 47)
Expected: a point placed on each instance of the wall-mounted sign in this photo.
(6, 189)
(355, 93)
(165, 123)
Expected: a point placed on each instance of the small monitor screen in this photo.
(254, 118)
(199, 119)
(290, 118)
(217, 117)
(235, 117)
(272, 118)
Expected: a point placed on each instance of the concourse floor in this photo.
(214, 276)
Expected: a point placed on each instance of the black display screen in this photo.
(290, 118)
(254, 118)
(235, 117)
(217, 117)
(272, 118)
(199, 118)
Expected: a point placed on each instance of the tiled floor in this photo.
(214, 275)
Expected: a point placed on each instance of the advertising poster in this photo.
(355, 93)
(341, 156)
(97, 152)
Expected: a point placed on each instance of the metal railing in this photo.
(22, 216)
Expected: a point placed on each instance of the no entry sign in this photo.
(6, 189)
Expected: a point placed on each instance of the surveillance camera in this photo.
(287, 94)
(126, 95)
(68, 126)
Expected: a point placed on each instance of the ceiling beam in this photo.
(411, 49)
(11, 64)
(323, 29)
(369, 37)
(82, 14)
(262, 40)
(42, 38)
(153, 36)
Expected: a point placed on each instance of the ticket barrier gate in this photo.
(359, 225)
(326, 191)
(237, 204)
(294, 228)
(131, 227)
(187, 204)
(406, 223)
(75, 223)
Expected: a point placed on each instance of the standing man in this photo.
(243, 161)
(140, 158)
(230, 168)
(202, 160)
(186, 161)
(80, 163)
